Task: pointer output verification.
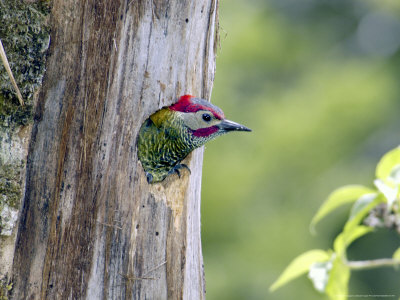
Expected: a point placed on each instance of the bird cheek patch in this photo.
(203, 132)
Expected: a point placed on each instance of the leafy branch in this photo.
(329, 270)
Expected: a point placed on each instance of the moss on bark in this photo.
(25, 37)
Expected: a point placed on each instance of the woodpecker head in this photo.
(171, 133)
(204, 120)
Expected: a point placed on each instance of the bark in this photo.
(90, 226)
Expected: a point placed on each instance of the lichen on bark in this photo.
(5, 288)
(10, 182)
(25, 37)
(10, 195)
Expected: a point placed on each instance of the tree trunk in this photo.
(90, 225)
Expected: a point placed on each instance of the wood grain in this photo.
(91, 227)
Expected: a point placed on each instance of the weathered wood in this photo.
(91, 227)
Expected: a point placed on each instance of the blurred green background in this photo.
(318, 82)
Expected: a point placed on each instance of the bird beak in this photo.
(227, 125)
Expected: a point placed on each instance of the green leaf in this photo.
(344, 239)
(396, 254)
(389, 190)
(339, 197)
(360, 209)
(395, 175)
(299, 266)
(385, 166)
(337, 287)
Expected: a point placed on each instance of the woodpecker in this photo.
(171, 133)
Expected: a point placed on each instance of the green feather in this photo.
(162, 143)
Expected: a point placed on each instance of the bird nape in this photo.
(171, 133)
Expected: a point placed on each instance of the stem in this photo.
(8, 69)
(370, 264)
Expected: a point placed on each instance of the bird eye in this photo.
(206, 117)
